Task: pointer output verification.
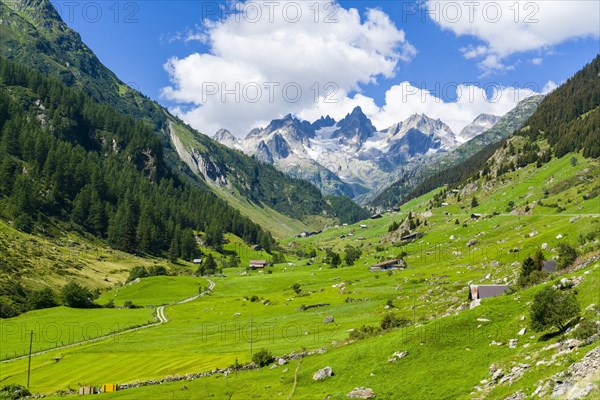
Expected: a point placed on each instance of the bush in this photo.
(110, 304)
(158, 270)
(566, 255)
(39, 299)
(585, 329)
(553, 307)
(391, 321)
(263, 357)
(254, 298)
(296, 288)
(75, 296)
(14, 392)
(137, 272)
(365, 331)
(351, 254)
(129, 304)
(236, 366)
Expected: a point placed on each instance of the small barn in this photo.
(109, 387)
(197, 261)
(388, 265)
(485, 291)
(376, 216)
(412, 236)
(84, 390)
(549, 266)
(258, 264)
(256, 247)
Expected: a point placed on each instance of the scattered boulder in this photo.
(282, 361)
(565, 283)
(328, 320)
(323, 373)
(559, 236)
(361, 393)
(397, 355)
(475, 303)
(472, 242)
(522, 332)
(561, 388)
(512, 343)
(497, 375)
(517, 396)
(544, 246)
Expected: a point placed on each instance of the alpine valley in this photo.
(142, 259)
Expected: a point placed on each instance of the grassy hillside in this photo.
(424, 176)
(171, 289)
(447, 358)
(212, 332)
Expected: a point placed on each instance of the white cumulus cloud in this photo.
(504, 28)
(269, 59)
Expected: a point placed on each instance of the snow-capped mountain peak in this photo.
(354, 129)
(225, 137)
(482, 123)
(350, 154)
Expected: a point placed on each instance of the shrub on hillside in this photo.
(365, 331)
(38, 299)
(391, 321)
(76, 296)
(157, 270)
(553, 307)
(14, 392)
(296, 288)
(585, 329)
(566, 255)
(129, 304)
(351, 254)
(137, 272)
(263, 357)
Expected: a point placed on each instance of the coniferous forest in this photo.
(65, 156)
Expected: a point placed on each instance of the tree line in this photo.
(65, 156)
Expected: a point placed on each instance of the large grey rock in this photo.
(397, 355)
(322, 374)
(361, 393)
(328, 320)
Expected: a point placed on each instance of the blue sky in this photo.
(424, 43)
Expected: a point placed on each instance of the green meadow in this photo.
(155, 291)
(449, 345)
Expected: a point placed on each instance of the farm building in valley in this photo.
(549, 266)
(388, 265)
(258, 264)
(485, 291)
